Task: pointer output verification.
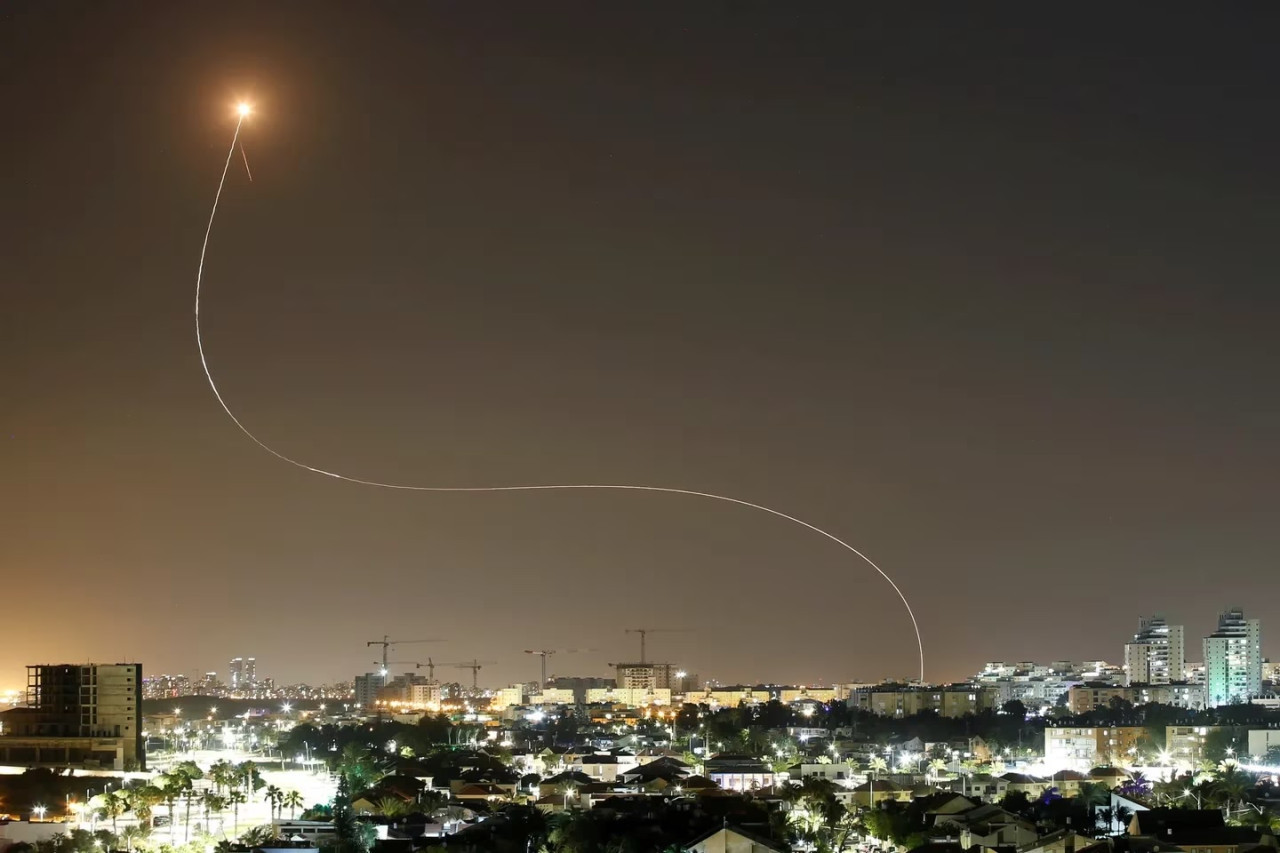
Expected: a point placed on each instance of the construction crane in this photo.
(545, 653)
(386, 642)
(412, 663)
(644, 632)
(475, 666)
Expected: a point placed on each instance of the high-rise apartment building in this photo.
(646, 676)
(244, 673)
(367, 687)
(77, 715)
(1157, 654)
(1233, 660)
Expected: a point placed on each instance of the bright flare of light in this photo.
(244, 109)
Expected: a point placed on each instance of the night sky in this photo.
(987, 290)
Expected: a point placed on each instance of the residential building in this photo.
(738, 772)
(1233, 660)
(646, 676)
(1088, 697)
(1185, 744)
(1194, 673)
(77, 715)
(367, 687)
(791, 695)
(633, 697)
(1262, 741)
(950, 701)
(555, 696)
(1157, 654)
(1081, 747)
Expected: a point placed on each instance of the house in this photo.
(871, 791)
(1022, 783)
(728, 839)
(938, 806)
(990, 826)
(1066, 841)
(481, 791)
(738, 772)
(842, 774)
(1198, 831)
(1068, 782)
(982, 785)
(600, 768)
(1112, 777)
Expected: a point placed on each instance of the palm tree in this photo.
(132, 833)
(114, 804)
(212, 802)
(936, 766)
(877, 766)
(171, 786)
(274, 797)
(248, 775)
(390, 807)
(223, 775)
(144, 800)
(236, 798)
(293, 801)
(189, 772)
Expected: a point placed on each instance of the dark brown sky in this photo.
(990, 295)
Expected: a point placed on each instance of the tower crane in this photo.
(545, 653)
(386, 642)
(475, 666)
(644, 632)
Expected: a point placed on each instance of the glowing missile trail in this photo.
(243, 110)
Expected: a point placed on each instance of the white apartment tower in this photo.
(1233, 660)
(1157, 654)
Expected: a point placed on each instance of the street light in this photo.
(39, 811)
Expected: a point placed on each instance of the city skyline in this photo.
(992, 328)
(577, 663)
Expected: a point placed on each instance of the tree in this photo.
(144, 800)
(292, 801)
(223, 775)
(1015, 708)
(877, 766)
(212, 802)
(132, 834)
(236, 798)
(114, 804)
(188, 772)
(390, 807)
(361, 769)
(275, 798)
(172, 785)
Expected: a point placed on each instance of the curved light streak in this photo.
(628, 487)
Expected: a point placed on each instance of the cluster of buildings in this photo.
(1232, 668)
(242, 682)
(1155, 669)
